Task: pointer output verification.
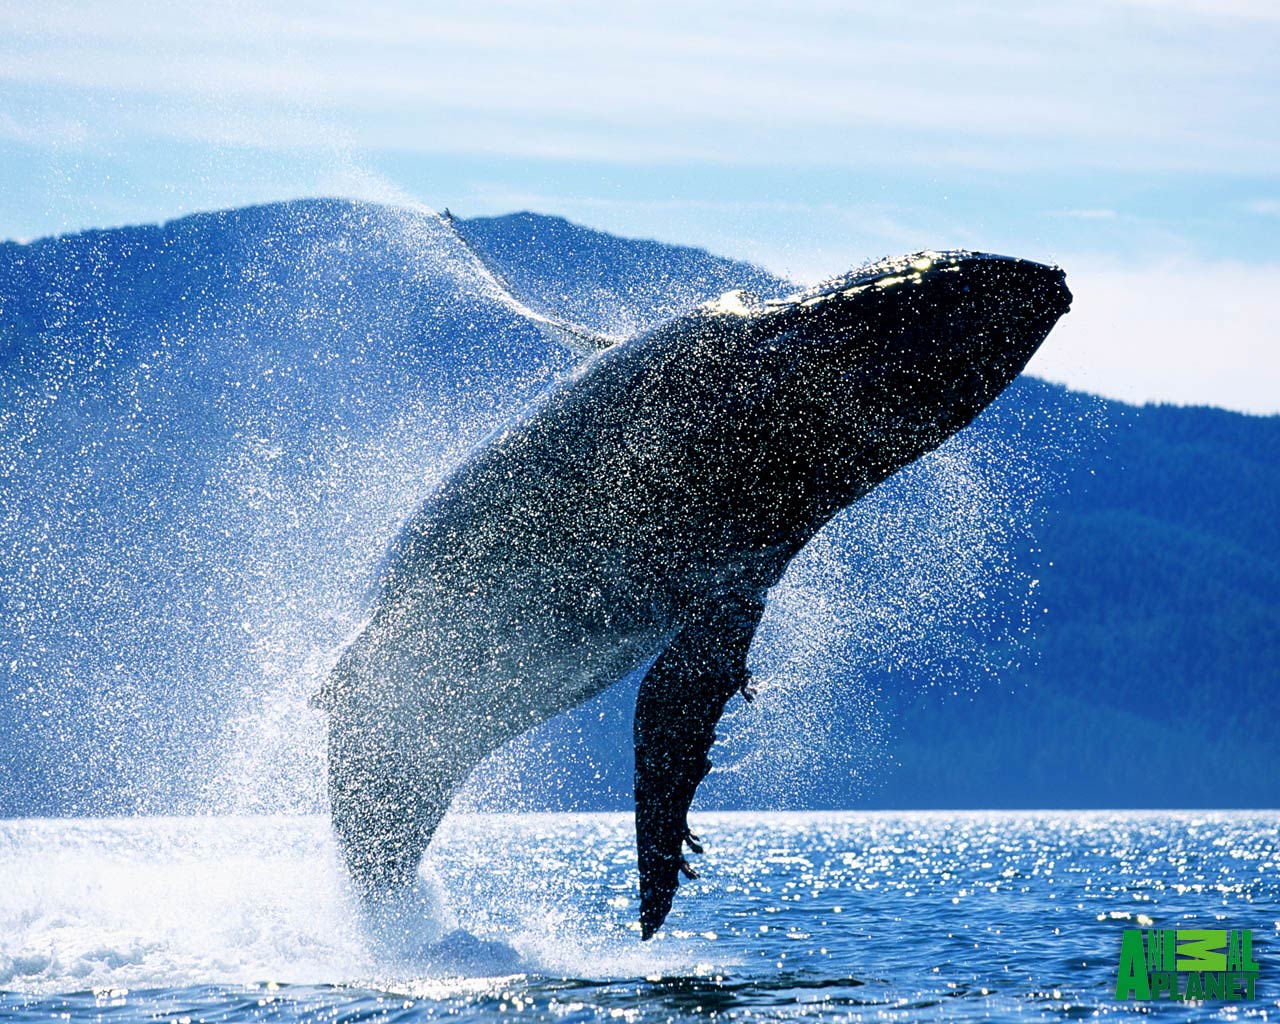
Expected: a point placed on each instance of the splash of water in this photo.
(928, 583)
(213, 429)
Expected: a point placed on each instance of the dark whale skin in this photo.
(641, 510)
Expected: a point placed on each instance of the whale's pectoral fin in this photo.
(680, 702)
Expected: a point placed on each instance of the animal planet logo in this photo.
(1187, 964)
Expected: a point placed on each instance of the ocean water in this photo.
(831, 916)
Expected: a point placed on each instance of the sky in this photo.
(1134, 142)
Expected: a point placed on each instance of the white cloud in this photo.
(1188, 333)
(985, 84)
(1257, 10)
(47, 131)
(1100, 213)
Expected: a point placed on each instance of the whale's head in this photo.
(937, 334)
(851, 380)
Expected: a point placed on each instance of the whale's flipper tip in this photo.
(580, 339)
(680, 701)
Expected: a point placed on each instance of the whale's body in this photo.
(641, 511)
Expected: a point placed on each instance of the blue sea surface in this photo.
(831, 916)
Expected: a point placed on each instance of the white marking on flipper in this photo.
(577, 338)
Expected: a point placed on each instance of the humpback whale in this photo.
(637, 515)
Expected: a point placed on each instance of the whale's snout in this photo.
(950, 315)
(1007, 307)
(1063, 292)
(1043, 287)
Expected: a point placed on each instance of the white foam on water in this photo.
(166, 902)
(150, 902)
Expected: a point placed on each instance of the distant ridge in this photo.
(210, 428)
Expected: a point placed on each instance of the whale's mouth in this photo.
(896, 357)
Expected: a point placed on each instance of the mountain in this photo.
(209, 430)
(1158, 652)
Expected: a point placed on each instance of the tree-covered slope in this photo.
(210, 429)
